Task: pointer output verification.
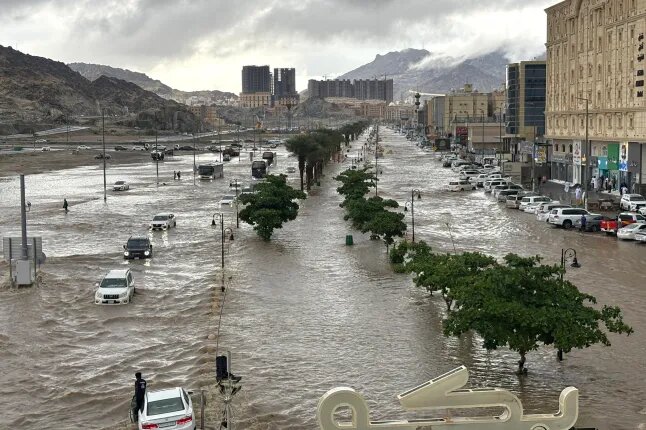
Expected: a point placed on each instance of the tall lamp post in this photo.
(225, 233)
(105, 184)
(412, 207)
(417, 96)
(236, 185)
(585, 154)
(482, 142)
(376, 158)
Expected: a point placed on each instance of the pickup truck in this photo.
(611, 225)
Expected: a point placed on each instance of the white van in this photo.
(489, 185)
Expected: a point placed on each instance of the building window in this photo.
(600, 44)
(631, 123)
(581, 123)
(599, 123)
(599, 71)
(619, 121)
(570, 148)
(609, 122)
(632, 30)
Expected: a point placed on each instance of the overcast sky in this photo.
(203, 44)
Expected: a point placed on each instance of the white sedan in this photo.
(80, 147)
(120, 186)
(227, 200)
(170, 409)
(628, 232)
(163, 221)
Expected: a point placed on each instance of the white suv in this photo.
(632, 202)
(117, 287)
(163, 221)
(566, 217)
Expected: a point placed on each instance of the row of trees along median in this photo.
(314, 149)
(518, 303)
(369, 214)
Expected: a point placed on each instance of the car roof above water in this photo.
(117, 274)
(164, 394)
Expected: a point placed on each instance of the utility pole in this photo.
(105, 184)
(584, 152)
(194, 145)
(157, 155)
(376, 159)
(235, 183)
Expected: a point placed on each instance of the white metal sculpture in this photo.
(444, 392)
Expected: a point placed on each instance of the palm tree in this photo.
(302, 145)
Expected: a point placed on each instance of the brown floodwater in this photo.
(303, 313)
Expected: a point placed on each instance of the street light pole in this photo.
(105, 185)
(156, 155)
(412, 207)
(376, 159)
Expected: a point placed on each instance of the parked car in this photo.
(592, 222)
(291, 169)
(489, 185)
(170, 408)
(478, 180)
(226, 157)
(468, 173)
(120, 148)
(227, 200)
(120, 186)
(628, 232)
(138, 148)
(81, 147)
(544, 209)
(640, 236)
(100, 156)
(566, 217)
(642, 210)
(632, 202)
(45, 149)
(163, 221)
(505, 194)
(137, 247)
(527, 204)
(611, 225)
(117, 287)
(508, 186)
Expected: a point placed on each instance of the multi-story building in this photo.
(285, 87)
(255, 100)
(399, 113)
(256, 79)
(208, 114)
(595, 88)
(525, 104)
(362, 89)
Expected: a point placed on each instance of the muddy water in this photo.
(302, 314)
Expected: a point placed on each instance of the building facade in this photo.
(361, 89)
(208, 114)
(595, 88)
(525, 104)
(256, 79)
(255, 100)
(285, 87)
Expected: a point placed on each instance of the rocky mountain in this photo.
(37, 90)
(420, 70)
(94, 71)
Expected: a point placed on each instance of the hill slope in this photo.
(93, 71)
(37, 90)
(418, 69)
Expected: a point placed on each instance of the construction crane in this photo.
(425, 94)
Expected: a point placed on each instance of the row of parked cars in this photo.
(626, 225)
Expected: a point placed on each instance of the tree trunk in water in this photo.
(521, 363)
(308, 176)
(301, 168)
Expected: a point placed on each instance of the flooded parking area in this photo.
(303, 313)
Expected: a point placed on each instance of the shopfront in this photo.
(613, 164)
(562, 166)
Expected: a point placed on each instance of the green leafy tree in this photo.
(272, 204)
(387, 225)
(355, 184)
(522, 305)
(362, 211)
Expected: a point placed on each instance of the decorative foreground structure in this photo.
(444, 392)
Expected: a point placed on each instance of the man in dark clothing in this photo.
(179, 175)
(140, 392)
(65, 204)
(584, 223)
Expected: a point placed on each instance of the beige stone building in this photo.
(208, 114)
(595, 57)
(255, 100)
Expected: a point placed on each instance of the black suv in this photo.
(137, 247)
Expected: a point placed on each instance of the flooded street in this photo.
(303, 313)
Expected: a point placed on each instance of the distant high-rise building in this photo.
(362, 89)
(284, 90)
(256, 79)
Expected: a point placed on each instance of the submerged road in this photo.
(303, 313)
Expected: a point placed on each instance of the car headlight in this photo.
(146, 252)
(122, 295)
(126, 253)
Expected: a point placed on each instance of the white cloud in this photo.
(203, 44)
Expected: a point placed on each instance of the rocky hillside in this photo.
(418, 69)
(36, 90)
(93, 71)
